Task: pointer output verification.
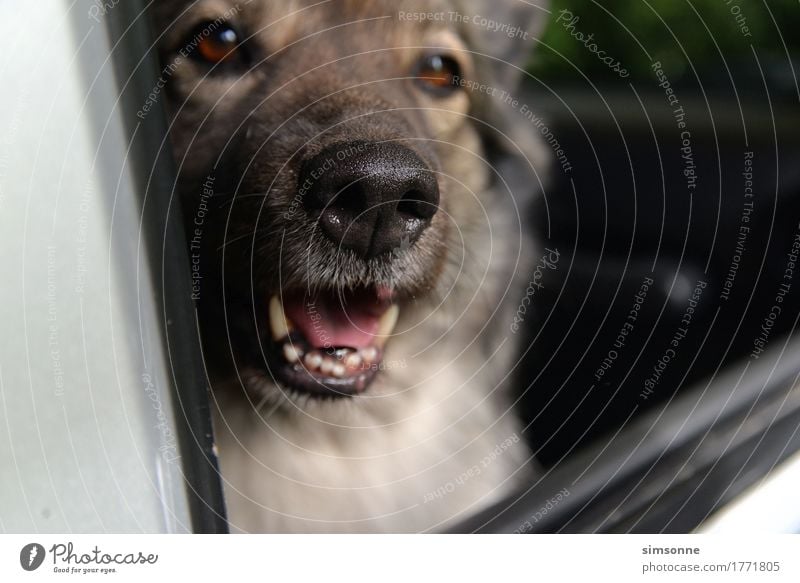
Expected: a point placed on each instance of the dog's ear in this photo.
(507, 30)
(502, 35)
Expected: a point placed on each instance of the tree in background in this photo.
(679, 33)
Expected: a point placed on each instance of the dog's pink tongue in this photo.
(349, 320)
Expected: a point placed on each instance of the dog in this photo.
(354, 183)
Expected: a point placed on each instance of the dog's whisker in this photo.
(262, 402)
(269, 413)
(235, 197)
(233, 240)
(262, 233)
(227, 197)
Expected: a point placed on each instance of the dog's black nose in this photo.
(371, 197)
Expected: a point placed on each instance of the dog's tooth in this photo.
(353, 360)
(313, 360)
(327, 366)
(277, 319)
(369, 354)
(338, 370)
(291, 353)
(386, 324)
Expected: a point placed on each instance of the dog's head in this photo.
(334, 167)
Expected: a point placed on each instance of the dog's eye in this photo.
(438, 73)
(214, 43)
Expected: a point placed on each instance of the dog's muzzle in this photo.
(370, 197)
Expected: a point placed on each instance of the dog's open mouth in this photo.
(330, 344)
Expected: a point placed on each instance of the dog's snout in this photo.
(370, 197)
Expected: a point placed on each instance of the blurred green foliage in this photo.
(675, 32)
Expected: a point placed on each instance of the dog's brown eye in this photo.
(215, 44)
(439, 73)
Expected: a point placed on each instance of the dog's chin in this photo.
(327, 345)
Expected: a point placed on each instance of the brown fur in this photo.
(326, 73)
